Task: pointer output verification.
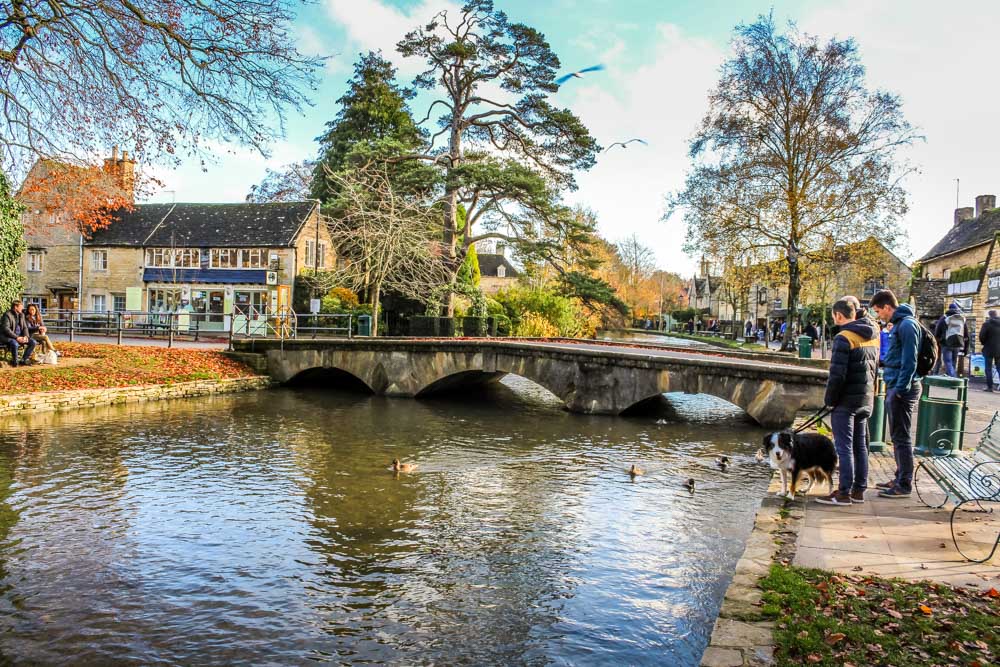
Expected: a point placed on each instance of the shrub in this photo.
(535, 325)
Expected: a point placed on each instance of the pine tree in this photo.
(12, 244)
(374, 110)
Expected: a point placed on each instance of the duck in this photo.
(689, 485)
(403, 467)
(759, 456)
(636, 470)
(722, 462)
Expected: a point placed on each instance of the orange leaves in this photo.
(992, 593)
(121, 367)
(927, 611)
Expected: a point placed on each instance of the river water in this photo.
(265, 528)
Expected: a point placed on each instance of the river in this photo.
(266, 528)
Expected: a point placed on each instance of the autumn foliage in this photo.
(122, 367)
(78, 198)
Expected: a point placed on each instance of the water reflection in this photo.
(267, 528)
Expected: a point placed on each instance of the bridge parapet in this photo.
(592, 379)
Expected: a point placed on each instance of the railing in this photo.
(245, 322)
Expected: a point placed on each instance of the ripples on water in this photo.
(266, 528)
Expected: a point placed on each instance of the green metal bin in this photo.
(805, 347)
(941, 415)
(876, 423)
(364, 325)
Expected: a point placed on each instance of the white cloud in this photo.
(372, 25)
(661, 103)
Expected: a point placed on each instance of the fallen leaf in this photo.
(812, 657)
(822, 586)
(924, 608)
(895, 614)
(803, 634)
(993, 593)
(835, 637)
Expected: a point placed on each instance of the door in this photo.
(216, 304)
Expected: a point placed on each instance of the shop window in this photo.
(99, 260)
(161, 300)
(98, 302)
(34, 261)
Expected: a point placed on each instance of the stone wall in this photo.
(936, 268)
(84, 398)
(125, 268)
(295, 263)
(929, 296)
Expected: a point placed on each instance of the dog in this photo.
(795, 453)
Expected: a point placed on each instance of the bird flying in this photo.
(578, 74)
(624, 144)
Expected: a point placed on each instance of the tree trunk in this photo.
(376, 291)
(794, 285)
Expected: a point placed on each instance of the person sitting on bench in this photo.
(14, 334)
(37, 329)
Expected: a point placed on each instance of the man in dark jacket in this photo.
(850, 391)
(902, 386)
(989, 337)
(14, 333)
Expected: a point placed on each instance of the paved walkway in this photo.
(152, 342)
(902, 538)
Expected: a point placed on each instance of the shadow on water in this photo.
(266, 527)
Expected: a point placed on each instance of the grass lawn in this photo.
(828, 619)
(721, 342)
(121, 366)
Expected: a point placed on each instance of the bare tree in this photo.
(292, 182)
(793, 152)
(158, 76)
(389, 239)
(636, 265)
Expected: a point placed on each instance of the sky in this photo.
(662, 58)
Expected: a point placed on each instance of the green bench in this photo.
(965, 478)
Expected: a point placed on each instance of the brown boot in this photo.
(858, 497)
(835, 498)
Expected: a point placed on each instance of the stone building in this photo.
(703, 293)
(964, 263)
(496, 273)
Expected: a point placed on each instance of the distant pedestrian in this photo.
(850, 392)
(953, 330)
(748, 329)
(902, 387)
(940, 326)
(812, 331)
(989, 338)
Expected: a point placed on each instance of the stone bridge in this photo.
(589, 377)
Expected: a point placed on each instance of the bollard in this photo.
(170, 330)
(876, 423)
(119, 317)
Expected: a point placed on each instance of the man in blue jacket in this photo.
(902, 386)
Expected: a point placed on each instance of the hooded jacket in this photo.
(989, 336)
(904, 344)
(853, 366)
(952, 330)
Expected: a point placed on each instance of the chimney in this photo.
(963, 214)
(704, 268)
(984, 202)
(122, 171)
(114, 153)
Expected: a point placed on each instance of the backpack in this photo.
(927, 351)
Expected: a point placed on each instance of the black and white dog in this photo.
(795, 453)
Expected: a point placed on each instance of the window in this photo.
(158, 257)
(501, 271)
(118, 302)
(187, 258)
(310, 253)
(34, 261)
(40, 301)
(161, 300)
(99, 261)
(97, 302)
(253, 258)
(321, 258)
(225, 258)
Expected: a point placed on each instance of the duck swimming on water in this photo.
(636, 470)
(689, 485)
(722, 462)
(403, 467)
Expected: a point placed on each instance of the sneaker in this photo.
(989, 390)
(835, 498)
(885, 485)
(894, 492)
(858, 497)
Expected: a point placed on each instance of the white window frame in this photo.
(321, 255)
(501, 271)
(35, 261)
(187, 258)
(231, 255)
(158, 258)
(94, 300)
(253, 258)
(99, 261)
(310, 253)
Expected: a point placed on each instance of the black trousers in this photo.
(992, 361)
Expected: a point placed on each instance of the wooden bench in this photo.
(966, 478)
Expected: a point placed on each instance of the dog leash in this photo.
(815, 419)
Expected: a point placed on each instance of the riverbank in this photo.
(89, 375)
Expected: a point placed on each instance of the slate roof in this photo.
(206, 225)
(489, 263)
(967, 234)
